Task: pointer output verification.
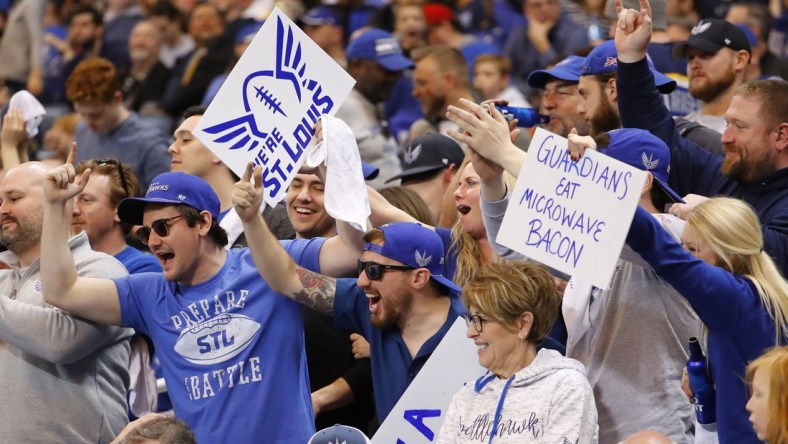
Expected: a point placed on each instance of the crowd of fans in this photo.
(142, 276)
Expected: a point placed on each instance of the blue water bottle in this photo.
(701, 384)
(526, 117)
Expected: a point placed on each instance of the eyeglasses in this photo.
(161, 227)
(374, 270)
(476, 320)
(114, 162)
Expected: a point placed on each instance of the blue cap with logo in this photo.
(321, 15)
(567, 69)
(604, 58)
(415, 246)
(174, 189)
(339, 434)
(644, 151)
(380, 46)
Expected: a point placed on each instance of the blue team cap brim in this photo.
(395, 62)
(665, 84)
(538, 79)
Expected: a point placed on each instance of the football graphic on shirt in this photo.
(217, 339)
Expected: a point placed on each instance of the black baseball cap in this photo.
(711, 35)
(429, 152)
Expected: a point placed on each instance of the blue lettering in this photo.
(554, 242)
(566, 188)
(220, 340)
(416, 418)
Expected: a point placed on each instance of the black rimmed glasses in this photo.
(114, 162)
(161, 227)
(374, 270)
(476, 320)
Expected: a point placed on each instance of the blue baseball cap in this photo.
(321, 15)
(339, 434)
(380, 46)
(247, 33)
(174, 189)
(370, 171)
(644, 151)
(604, 58)
(567, 69)
(415, 246)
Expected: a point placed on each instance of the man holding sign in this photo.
(230, 348)
(401, 302)
(605, 326)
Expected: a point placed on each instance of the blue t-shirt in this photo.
(136, 261)
(393, 368)
(232, 350)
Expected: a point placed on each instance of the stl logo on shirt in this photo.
(262, 108)
(217, 339)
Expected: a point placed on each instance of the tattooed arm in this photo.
(273, 263)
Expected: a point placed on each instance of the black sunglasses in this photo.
(476, 320)
(114, 162)
(161, 227)
(374, 270)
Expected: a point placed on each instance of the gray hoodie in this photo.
(549, 401)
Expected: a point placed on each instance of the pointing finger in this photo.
(258, 177)
(247, 172)
(72, 154)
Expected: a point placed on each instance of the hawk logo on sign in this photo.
(261, 106)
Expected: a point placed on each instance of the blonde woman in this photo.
(734, 287)
(767, 376)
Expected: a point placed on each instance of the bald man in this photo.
(65, 377)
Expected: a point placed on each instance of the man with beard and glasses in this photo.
(598, 90)
(64, 378)
(717, 54)
(401, 302)
(755, 165)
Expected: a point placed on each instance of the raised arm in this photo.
(486, 132)
(89, 298)
(273, 263)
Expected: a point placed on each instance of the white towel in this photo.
(345, 193)
(31, 109)
(575, 308)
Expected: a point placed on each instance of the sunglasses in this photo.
(114, 162)
(161, 227)
(476, 320)
(374, 270)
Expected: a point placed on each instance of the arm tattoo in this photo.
(318, 292)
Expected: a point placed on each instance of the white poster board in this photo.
(419, 414)
(266, 110)
(571, 216)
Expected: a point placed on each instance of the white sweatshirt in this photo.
(550, 401)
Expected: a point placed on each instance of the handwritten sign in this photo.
(267, 108)
(419, 414)
(571, 216)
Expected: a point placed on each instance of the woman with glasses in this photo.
(526, 396)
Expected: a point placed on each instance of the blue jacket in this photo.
(695, 170)
(740, 329)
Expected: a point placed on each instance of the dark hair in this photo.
(192, 216)
(85, 8)
(166, 430)
(164, 8)
(194, 111)
(409, 202)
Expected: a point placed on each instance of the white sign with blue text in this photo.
(419, 413)
(571, 216)
(266, 110)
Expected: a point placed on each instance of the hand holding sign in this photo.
(248, 197)
(59, 186)
(579, 144)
